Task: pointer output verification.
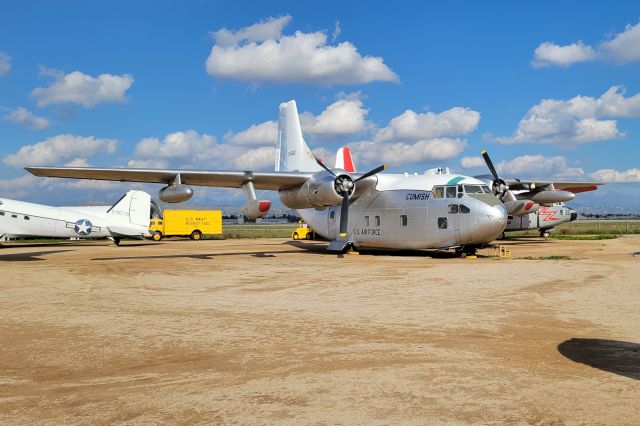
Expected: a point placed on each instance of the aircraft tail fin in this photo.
(134, 208)
(293, 153)
(344, 161)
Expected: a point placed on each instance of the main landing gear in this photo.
(465, 251)
(545, 234)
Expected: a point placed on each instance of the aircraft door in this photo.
(453, 218)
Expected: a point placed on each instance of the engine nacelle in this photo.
(175, 193)
(321, 190)
(518, 207)
(548, 197)
(254, 209)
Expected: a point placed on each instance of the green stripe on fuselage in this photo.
(455, 180)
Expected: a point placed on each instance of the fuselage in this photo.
(22, 219)
(547, 217)
(405, 211)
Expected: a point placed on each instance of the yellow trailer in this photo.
(194, 223)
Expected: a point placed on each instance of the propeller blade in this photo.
(490, 164)
(344, 215)
(372, 172)
(324, 167)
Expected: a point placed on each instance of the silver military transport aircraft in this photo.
(436, 210)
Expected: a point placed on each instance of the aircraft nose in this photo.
(574, 215)
(493, 220)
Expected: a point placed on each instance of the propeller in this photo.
(345, 185)
(499, 186)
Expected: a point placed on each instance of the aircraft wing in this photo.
(221, 179)
(575, 187)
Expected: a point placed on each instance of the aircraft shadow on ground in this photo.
(614, 356)
(28, 256)
(102, 243)
(201, 256)
(321, 248)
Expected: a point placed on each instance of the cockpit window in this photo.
(486, 189)
(450, 191)
(473, 189)
(437, 192)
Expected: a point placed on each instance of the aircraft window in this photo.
(332, 215)
(403, 220)
(442, 222)
(1, 213)
(15, 216)
(451, 191)
(377, 221)
(486, 189)
(453, 208)
(437, 192)
(464, 209)
(366, 221)
(460, 191)
(27, 218)
(473, 189)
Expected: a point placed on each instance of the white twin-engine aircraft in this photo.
(437, 210)
(128, 217)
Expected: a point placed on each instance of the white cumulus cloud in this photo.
(258, 134)
(612, 175)
(343, 117)
(577, 120)
(26, 118)
(622, 48)
(60, 148)
(189, 149)
(549, 54)
(5, 63)
(270, 28)
(399, 153)
(557, 167)
(533, 165)
(82, 89)
(346, 116)
(471, 162)
(262, 53)
(415, 126)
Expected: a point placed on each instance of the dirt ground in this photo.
(271, 331)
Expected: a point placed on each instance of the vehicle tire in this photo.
(157, 236)
(502, 236)
(196, 235)
(296, 236)
(309, 236)
(545, 234)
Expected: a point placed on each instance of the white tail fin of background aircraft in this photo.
(293, 153)
(344, 161)
(132, 208)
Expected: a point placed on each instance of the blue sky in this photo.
(416, 85)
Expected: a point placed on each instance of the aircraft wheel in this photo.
(545, 234)
(196, 235)
(116, 241)
(502, 236)
(296, 236)
(157, 236)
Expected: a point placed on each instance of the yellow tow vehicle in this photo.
(303, 232)
(192, 223)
